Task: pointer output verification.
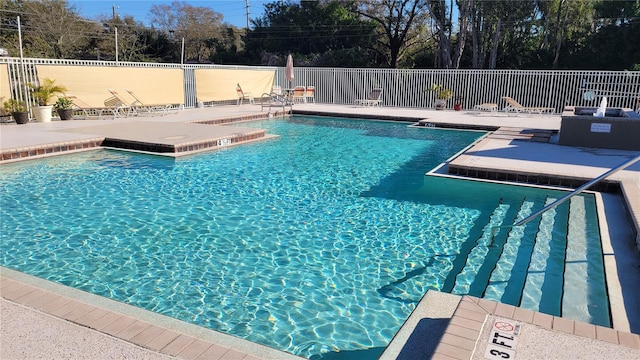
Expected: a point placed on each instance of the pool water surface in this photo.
(320, 241)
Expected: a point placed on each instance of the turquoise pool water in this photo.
(318, 242)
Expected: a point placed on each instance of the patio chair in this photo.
(374, 98)
(244, 95)
(514, 106)
(276, 90)
(163, 109)
(299, 95)
(310, 94)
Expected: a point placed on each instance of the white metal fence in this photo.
(406, 88)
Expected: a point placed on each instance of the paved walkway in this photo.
(463, 337)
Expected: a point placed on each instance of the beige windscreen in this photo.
(220, 84)
(5, 89)
(91, 84)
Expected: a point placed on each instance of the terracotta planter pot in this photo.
(457, 107)
(65, 114)
(20, 117)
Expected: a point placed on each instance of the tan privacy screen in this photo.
(5, 90)
(220, 84)
(91, 84)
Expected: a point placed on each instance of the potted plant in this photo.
(442, 95)
(42, 94)
(64, 108)
(18, 110)
(457, 103)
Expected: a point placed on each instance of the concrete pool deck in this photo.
(464, 327)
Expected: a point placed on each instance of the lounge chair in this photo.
(79, 106)
(486, 107)
(310, 94)
(514, 106)
(299, 94)
(243, 95)
(163, 109)
(374, 98)
(119, 106)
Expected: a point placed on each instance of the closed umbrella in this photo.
(288, 72)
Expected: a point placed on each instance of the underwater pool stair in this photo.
(552, 264)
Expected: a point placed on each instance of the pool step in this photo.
(459, 260)
(545, 272)
(478, 256)
(584, 259)
(541, 266)
(495, 274)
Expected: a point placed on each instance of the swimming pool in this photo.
(320, 241)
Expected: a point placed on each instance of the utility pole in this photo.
(116, 28)
(247, 9)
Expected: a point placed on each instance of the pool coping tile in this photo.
(146, 335)
(629, 340)
(456, 343)
(161, 340)
(104, 315)
(133, 330)
(177, 345)
(91, 317)
(217, 352)
(194, 349)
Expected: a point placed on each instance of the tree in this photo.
(159, 46)
(564, 23)
(318, 33)
(612, 43)
(228, 49)
(501, 33)
(51, 28)
(399, 26)
(199, 26)
(131, 45)
(441, 15)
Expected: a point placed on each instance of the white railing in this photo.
(404, 87)
(407, 88)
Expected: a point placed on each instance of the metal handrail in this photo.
(578, 190)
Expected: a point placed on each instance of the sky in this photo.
(234, 11)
